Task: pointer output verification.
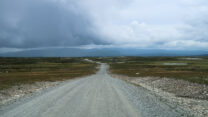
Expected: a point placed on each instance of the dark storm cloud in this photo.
(44, 23)
(162, 24)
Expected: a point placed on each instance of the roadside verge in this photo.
(174, 91)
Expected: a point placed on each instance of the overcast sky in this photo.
(159, 24)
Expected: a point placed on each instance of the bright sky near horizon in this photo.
(160, 24)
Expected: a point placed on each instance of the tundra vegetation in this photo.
(193, 69)
(17, 71)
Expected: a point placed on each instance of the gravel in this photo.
(148, 103)
(192, 97)
(98, 95)
(17, 92)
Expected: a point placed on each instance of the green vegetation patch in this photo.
(16, 71)
(194, 70)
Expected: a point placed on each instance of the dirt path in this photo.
(98, 95)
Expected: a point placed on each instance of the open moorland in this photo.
(17, 71)
(193, 69)
(183, 81)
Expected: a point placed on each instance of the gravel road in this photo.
(98, 95)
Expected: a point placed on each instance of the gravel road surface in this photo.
(98, 95)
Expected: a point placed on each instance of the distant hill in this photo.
(62, 52)
(204, 55)
(75, 52)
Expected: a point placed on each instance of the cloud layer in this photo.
(167, 24)
(161, 24)
(43, 23)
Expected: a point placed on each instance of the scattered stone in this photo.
(190, 96)
(174, 63)
(16, 92)
(191, 58)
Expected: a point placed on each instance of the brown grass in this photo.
(16, 71)
(196, 70)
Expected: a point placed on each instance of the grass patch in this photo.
(194, 70)
(16, 71)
